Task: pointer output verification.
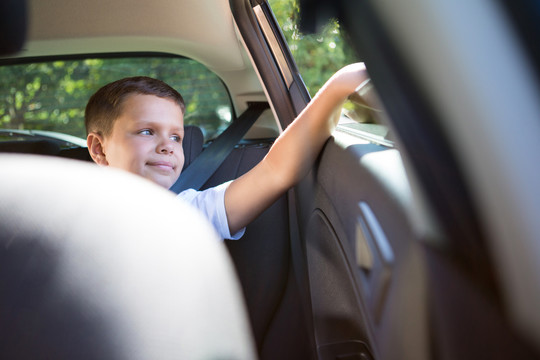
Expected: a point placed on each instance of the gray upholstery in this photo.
(193, 143)
(97, 263)
(262, 258)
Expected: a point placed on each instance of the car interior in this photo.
(415, 233)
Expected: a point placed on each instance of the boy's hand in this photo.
(347, 79)
(294, 152)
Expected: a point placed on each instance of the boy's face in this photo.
(146, 139)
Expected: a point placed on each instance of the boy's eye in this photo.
(176, 138)
(145, 132)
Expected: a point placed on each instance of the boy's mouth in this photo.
(162, 165)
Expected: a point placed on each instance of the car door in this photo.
(421, 243)
(358, 271)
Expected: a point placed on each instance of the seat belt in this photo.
(206, 164)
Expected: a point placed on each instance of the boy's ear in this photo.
(94, 141)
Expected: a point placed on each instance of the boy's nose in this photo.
(165, 147)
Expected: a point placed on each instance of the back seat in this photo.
(261, 258)
(262, 261)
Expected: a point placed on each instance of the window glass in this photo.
(52, 95)
(318, 57)
(364, 116)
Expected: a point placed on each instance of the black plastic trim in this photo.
(264, 61)
(525, 15)
(298, 81)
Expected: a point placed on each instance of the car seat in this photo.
(192, 144)
(89, 271)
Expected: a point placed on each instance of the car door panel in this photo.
(364, 271)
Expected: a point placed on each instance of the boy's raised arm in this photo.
(294, 152)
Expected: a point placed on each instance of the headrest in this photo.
(98, 263)
(13, 26)
(193, 143)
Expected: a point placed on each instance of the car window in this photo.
(52, 95)
(364, 116)
(320, 55)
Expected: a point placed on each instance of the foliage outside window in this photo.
(53, 95)
(318, 56)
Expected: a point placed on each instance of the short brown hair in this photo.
(105, 106)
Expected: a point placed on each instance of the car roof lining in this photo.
(136, 25)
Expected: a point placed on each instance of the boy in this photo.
(136, 124)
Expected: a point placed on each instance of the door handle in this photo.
(375, 258)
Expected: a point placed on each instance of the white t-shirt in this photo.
(211, 202)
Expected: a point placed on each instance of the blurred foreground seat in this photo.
(99, 264)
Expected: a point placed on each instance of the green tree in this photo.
(44, 96)
(317, 56)
(53, 95)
